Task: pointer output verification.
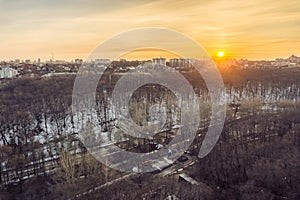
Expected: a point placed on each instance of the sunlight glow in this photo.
(221, 54)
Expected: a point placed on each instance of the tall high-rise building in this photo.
(160, 61)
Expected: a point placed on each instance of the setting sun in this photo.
(221, 54)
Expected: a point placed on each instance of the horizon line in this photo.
(143, 59)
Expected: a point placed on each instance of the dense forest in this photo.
(257, 156)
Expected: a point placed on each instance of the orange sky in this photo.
(260, 29)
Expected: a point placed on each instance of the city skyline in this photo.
(148, 58)
(72, 29)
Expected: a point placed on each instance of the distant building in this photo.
(294, 59)
(60, 62)
(174, 62)
(190, 62)
(181, 63)
(8, 72)
(103, 61)
(159, 61)
(78, 61)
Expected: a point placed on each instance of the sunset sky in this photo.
(260, 29)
